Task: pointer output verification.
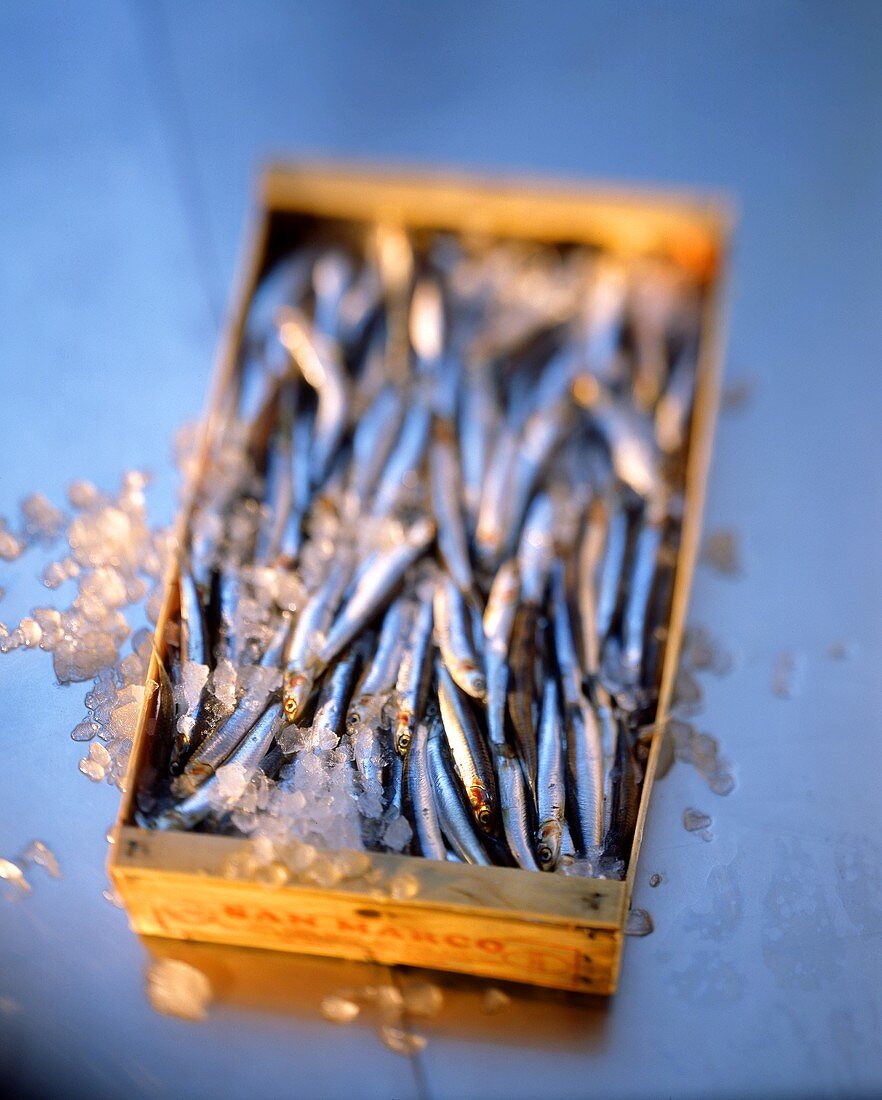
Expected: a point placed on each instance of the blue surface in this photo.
(130, 135)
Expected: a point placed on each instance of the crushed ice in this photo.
(694, 821)
(174, 988)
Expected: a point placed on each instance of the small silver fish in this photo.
(400, 475)
(498, 621)
(377, 579)
(551, 786)
(372, 442)
(420, 797)
(454, 815)
(300, 660)
(453, 635)
(471, 757)
(248, 755)
(446, 484)
(412, 680)
(513, 800)
(194, 645)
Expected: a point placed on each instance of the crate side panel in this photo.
(333, 924)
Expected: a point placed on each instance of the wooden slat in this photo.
(629, 222)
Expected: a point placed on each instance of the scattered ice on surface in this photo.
(84, 731)
(494, 1000)
(702, 752)
(11, 547)
(638, 923)
(175, 988)
(54, 575)
(40, 855)
(49, 622)
(737, 395)
(722, 552)
(31, 633)
(702, 652)
(655, 880)
(694, 821)
(397, 834)
(339, 1010)
(92, 770)
(787, 674)
(13, 876)
(43, 522)
(402, 886)
(400, 1041)
(114, 897)
(422, 998)
(688, 693)
(95, 765)
(124, 719)
(81, 656)
(388, 999)
(82, 494)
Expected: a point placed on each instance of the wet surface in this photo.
(130, 133)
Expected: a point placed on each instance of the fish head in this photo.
(296, 692)
(548, 840)
(480, 801)
(403, 732)
(476, 681)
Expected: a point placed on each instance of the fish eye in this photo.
(404, 742)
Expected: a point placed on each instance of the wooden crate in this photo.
(548, 930)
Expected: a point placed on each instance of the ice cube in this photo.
(339, 1010)
(85, 730)
(223, 683)
(80, 657)
(11, 547)
(54, 575)
(114, 897)
(722, 552)
(13, 875)
(92, 770)
(694, 821)
(232, 779)
(42, 520)
(49, 621)
(397, 834)
(82, 494)
(402, 886)
(422, 998)
(787, 674)
(175, 988)
(41, 855)
(188, 691)
(638, 923)
(494, 1000)
(401, 1041)
(124, 719)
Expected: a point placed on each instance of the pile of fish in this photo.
(430, 559)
